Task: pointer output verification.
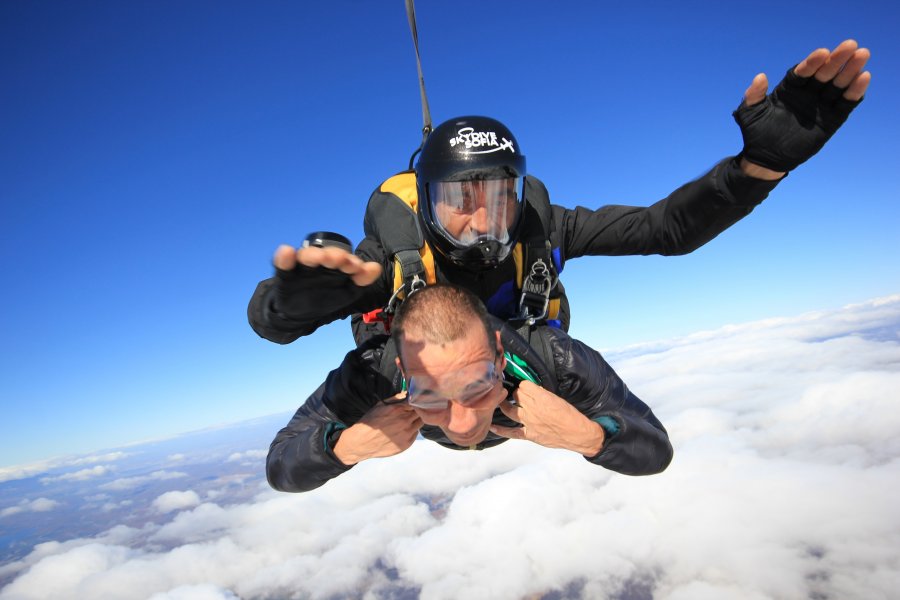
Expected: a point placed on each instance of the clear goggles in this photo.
(467, 386)
(469, 211)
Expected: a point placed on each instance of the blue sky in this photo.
(155, 153)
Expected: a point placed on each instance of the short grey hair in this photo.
(441, 313)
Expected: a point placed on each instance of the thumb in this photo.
(510, 411)
(756, 93)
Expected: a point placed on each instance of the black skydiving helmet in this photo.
(471, 178)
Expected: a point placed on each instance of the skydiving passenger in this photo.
(465, 380)
(470, 214)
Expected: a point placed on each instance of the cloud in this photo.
(127, 483)
(30, 470)
(783, 486)
(172, 501)
(249, 455)
(196, 592)
(108, 457)
(37, 505)
(111, 506)
(81, 475)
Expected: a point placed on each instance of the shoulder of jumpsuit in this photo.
(533, 185)
(585, 379)
(534, 351)
(366, 375)
(576, 367)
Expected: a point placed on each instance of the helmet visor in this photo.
(477, 210)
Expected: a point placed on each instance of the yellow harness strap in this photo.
(403, 186)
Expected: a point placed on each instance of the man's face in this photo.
(470, 209)
(456, 387)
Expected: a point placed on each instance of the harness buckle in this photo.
(414, 285)
(535, 298)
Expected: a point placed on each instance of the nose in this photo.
(462, 420)
(480, 222)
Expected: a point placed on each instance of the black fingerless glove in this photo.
(305, 293)
(793, 122)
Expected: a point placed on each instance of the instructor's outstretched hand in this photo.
(362, 273)
(306, 279)
(786, 128)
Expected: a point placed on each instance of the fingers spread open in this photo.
(285, 257)
(852, 68)
(366, 273)
(338, 258)
(857, 88)
(811, 63)
(836, 61)
(310, 256)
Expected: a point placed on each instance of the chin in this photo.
(467, 440)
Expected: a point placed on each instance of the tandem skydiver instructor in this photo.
(476, 214)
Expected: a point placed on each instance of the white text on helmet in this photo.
(479, 139)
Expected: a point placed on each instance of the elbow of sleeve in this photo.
(279, 480)
(629, 455)
(275, 474)
(661, 459)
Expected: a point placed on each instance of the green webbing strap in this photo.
(426, 112)
(517, 368)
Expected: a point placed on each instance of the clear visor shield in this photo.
(470, 211)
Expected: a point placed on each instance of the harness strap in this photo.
(537, 276)
(412, 270)
(535, 299)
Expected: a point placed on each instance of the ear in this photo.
(500, 349)
(399, 366)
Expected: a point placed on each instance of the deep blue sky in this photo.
(153, 155)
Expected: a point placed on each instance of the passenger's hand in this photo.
(362, 273)
(550, 421)
(787, 127)
(386, 430)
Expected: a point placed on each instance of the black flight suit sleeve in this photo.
(282, 311)
(300, 458)
(637, 443)
(687, 219)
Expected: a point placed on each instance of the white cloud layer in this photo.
(30, 470)
(786, 471)
(176, 500)
(36, 505)
(127, 483)
(249, 456)
(80, 475)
